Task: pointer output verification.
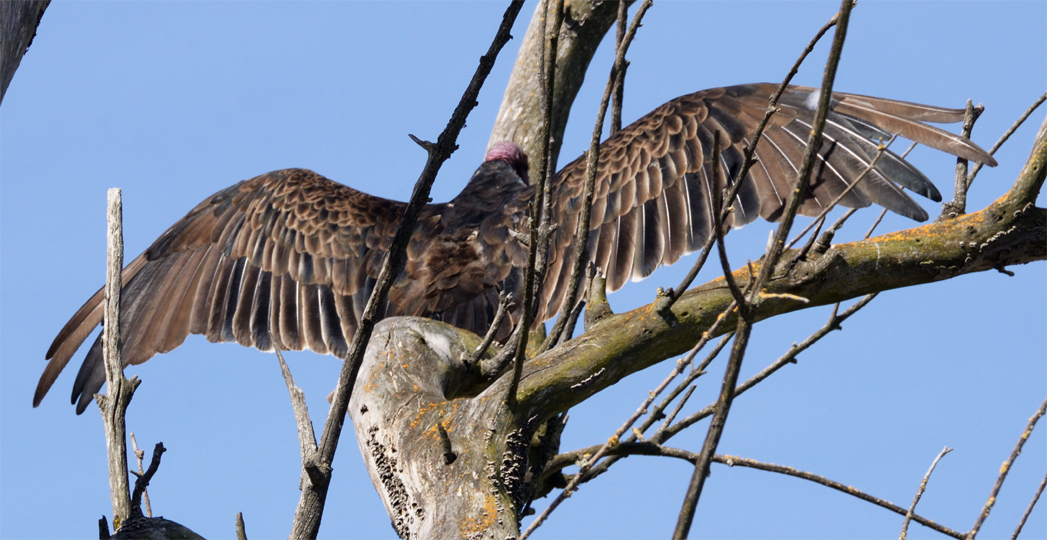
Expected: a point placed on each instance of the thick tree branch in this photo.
(1011, 231)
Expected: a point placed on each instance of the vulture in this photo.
(288, 259)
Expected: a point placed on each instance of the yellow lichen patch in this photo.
(475, 527)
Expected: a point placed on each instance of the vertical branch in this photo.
(241, 530)
(1014, 127)
(958, 205)
(139, 454)
(113, 405)
(592, 159)
(741, 339)
(923, 483)
(540, 212)
(619, 85)
(814, 144)
(748, 161)
(311, 504)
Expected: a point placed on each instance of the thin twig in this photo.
(880, 150)
(919, 493)
(713, 201)
(310, 507)
(652, 449)
(311, 466)
(1014, 127)
(749, 155)
(504, 299)
(1005, 468)
(958, 205)
(139, 454)
(619, 85)
(581, 241)
(143, 481)
(741, 338)
(884, 212)
(657, 413)
(541, 209)
(789, 357)
(572, 320)
(1028, 510)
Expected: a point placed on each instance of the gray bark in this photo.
(18, 22)
(412, 379)
(585, 24)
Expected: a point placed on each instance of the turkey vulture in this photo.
(289, 258)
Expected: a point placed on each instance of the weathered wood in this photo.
(409, 383)
(18, 22)
(119, 391)
(519, 118)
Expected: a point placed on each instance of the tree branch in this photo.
(119, 390)
(653, 449)
(18, 22)
(1010, 231)
(518, 120)
(919, 493)
(310, 506)
(1005, 468)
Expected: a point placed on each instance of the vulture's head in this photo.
(508, 152)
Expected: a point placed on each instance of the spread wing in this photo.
(653, 181)
(288, 259)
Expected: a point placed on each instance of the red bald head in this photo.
(508, 152)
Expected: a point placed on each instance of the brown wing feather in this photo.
(651, 190)
(229, 268)
(289, 258)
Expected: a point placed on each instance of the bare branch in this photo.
(658, 412)
(619, 85)
(958, 205)
(312, 468)
(18, 21)
(504, 299)
(1007, 135)
(119, 390)
(143, 481)
(749, 161)
(1028, 510)
(920, 490)
(741, 338)
(653, 449)
(139, 454)
(1005, 468)
(581, 242)
(788, 358)
(310, 507)
(880, 150)
(541, 209)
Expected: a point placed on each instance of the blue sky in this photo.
(172, 101)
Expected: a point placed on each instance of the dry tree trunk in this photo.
(519, 117)
(18, 22)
